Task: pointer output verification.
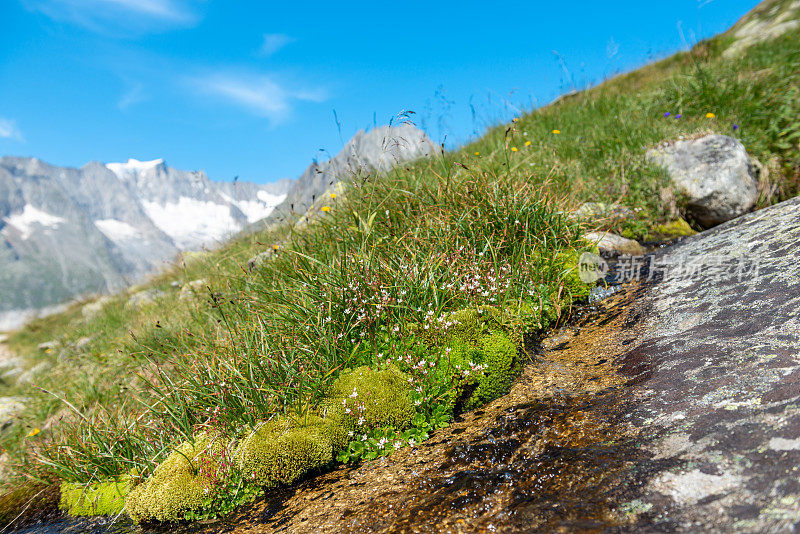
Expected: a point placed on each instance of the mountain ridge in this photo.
(69, 231)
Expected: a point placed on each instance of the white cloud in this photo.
(132, 96)
(273, 42)
(9, 130)
(259, 94)
(161, 9)
(118, 16)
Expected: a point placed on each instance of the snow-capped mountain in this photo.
(189, 208)
(65, 231)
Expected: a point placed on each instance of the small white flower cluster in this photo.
(366, 297)
(473, 369)
(474, 276)
(354, 408)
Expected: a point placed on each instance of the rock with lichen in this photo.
(602, 210)
(193, 289)
(614, 244)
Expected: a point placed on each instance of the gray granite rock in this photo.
(47, 345)
(93, 308)
(144, 297)
(10, 408)
(715, 368)
(714, 172)
(259, 259)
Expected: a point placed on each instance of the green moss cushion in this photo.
(282, 451)
(364, 398)
(179, 484)
(499, 359)
(99, 498)
(469, 325)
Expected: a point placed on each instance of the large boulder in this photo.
(714, 172)
(714, 370)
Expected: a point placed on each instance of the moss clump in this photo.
(573, 285)
(363, 398)
(670, 230)
(478, 373)
(456, 372)
(499, 355)
(99, 498)
(179, 484)
(469, 325)
(282, 451)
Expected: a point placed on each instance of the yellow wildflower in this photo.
(333, 195)
(33, 432)
(477, 153)
(710, 115)
(275, 247)
(326, 209)
(514, 119)
(513, 149)
(556, 132)
(527, 143)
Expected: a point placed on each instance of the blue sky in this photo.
(249, 89)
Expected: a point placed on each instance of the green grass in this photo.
(375, 281)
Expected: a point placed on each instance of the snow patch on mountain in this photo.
(255, 210)
(133, 166)
(25, 220)
(191, 223)
(269, 199)
(116, 231)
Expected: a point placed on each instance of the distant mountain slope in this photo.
(65, 231)
(768, 20)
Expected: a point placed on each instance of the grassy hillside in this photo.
(429, 274)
